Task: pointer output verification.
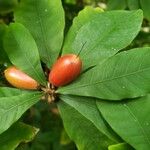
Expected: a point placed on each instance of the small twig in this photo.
(81, 49)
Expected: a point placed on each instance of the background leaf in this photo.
(7, 6)
(130, 119)
(22, 51)
(87, 107)
(75, 124)
(45, 20)
(116, 4)
(120, 146)
(17, 134)
(104, 33)
(125, 75)
(133, 4)
(3, 55)
(14, 105)
(145, 7)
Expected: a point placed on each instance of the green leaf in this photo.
(72, 2)
(145, 4)
(45, 20)
(116, 4)
(17, 134)
(14, 105)
(22, 51)
(82, 131)
(87, 107)
(8, 92)
(64, 139)
(133, 4)
(120, 146)
(7, 6)
(130, 119)
(103, 33)
(3, 55)
(125, 75)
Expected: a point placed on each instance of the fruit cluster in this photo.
(66, 69)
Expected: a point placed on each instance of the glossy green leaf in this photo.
(120, 146)
(116, 4)
(103, 33)
(7, 6)
(45, 20)
(145, 4)
(22, 51)
(8, 92)
(130, 119)
(133, 4)
(13, 103)
(82, 131)
(17, 134)
(87, 107)
(125, 75)
(3, 55)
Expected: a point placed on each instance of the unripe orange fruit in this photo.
(66, 69)
(19, 79)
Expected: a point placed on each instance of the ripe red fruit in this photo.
(66, 69)
(19, 79)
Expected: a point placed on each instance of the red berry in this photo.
(66, 69)
(19, 79)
